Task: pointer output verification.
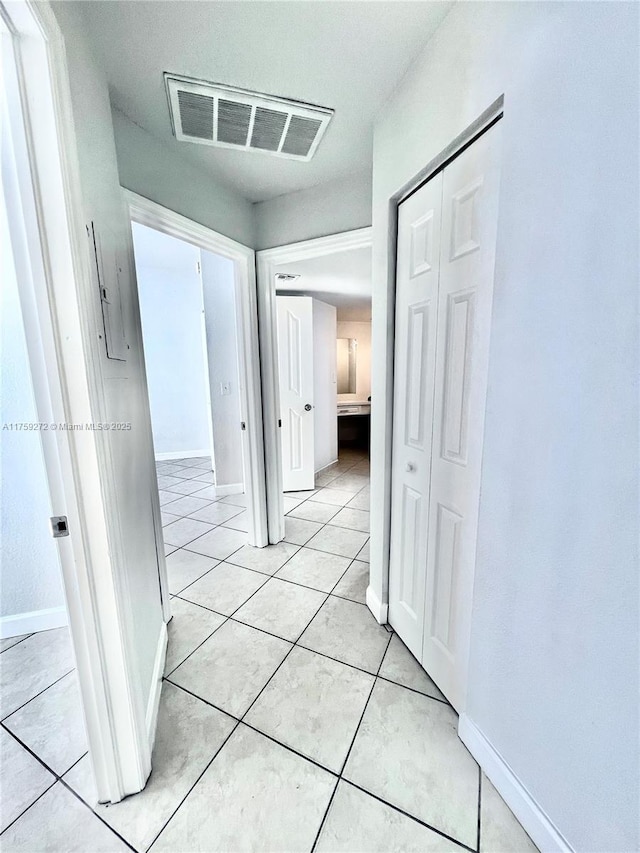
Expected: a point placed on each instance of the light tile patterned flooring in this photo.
(289, 720)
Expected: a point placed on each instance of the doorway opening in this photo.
(201, 355)
(189, 328)
(315, 303)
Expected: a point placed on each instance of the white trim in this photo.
(324, 467)
(527, 810)
(230, 489)
(267, 260)
(54, 253)
(30, 623)
(380, 611)
(153, 705)
(149, 213)
(182, 454)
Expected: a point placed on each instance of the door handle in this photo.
(308, 407)
(410, 466)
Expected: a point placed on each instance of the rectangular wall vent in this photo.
(212, 114)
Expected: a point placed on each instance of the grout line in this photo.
(243, 722)
(355, 734)
(213, 758)
(201, 699)
(413, 690)
(26, 637)
(224, 620)
(48, 788)
(59, 778)
(409, 815)
(20, 707)
(324, 816)
(94, 812)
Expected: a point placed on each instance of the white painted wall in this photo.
(222, 345)
(129, 475)
(326, 209)
(362, 334)
(170, 294)
(31, 572)
(154, 171)
(555, 635)
(324, 385)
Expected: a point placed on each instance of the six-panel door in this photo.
(416, 316)
(295, 361)
(442, 570)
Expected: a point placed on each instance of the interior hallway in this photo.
(290, 720)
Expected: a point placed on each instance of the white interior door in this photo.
(295, 362)
(415, 352)
(458, 377)
(469, 221)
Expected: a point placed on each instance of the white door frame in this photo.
(383, 375)
(267, 262)
(49, 231)
(154, 215)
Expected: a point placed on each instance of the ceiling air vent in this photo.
(212, 114)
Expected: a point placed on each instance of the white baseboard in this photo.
(35, 620)
(324, 467)
(182, 454)
(536, 823)
(379, 610)
(230, 489)
(151, 717)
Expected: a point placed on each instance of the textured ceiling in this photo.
(345, 55)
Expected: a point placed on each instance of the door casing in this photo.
(154, 215)
(267, 260)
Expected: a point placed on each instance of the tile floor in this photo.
(289, 720)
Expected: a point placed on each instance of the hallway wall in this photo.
(153, 170)
(554, 665)
(326, 209)
(131, 471)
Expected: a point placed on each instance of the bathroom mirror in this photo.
(347, 349)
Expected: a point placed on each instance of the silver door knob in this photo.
(308, 407)
(410, 466)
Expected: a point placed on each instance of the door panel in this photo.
(416, 315)
(469, 222)
(444, 287)
(295, 360)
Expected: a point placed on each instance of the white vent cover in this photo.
(212, 114)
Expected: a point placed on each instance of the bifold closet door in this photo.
(414, 367)
(469, 205)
